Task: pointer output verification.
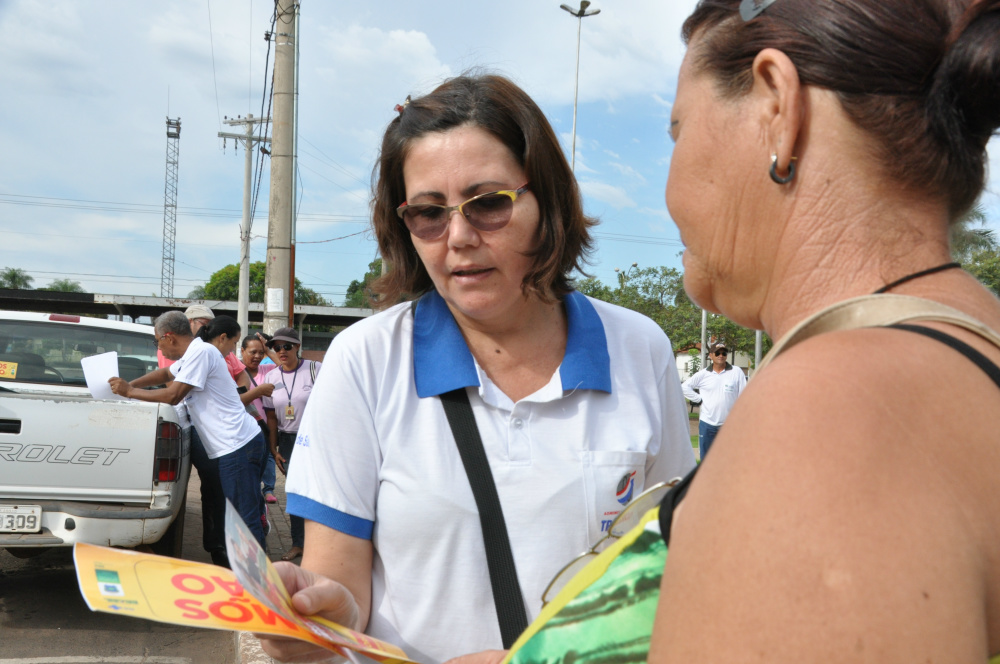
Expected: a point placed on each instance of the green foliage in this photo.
(985, 266)
(658, 292)
(359, 293)
(64, 286)
(967, 241)
(225, 285)
(15, 278)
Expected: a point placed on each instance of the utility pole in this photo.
(170, 208)
(278, 280)
(248, 140)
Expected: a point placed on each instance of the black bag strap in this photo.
(503, 575)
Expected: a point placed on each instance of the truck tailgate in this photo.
(59, 447)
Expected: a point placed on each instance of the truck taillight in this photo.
(169, 449)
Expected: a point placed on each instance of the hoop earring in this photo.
(774, 170)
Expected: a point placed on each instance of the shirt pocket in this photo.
(612, 479)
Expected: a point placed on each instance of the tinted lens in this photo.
(565, 574)
(283, 346)
(490, 212)
(633, 513)
(721, 352)
(427, 222)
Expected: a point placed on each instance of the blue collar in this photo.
(442, 361)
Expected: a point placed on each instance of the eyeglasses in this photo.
(722, 351)
(485, 212)
(624, 522)
(161, 338)
(283, 346)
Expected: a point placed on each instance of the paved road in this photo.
(43, 616)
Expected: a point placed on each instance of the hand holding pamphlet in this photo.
(251, 597)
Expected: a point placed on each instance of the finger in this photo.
(293, 651)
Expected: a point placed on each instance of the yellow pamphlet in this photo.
(249, 598)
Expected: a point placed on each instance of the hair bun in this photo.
(965, 95)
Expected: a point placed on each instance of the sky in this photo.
(87, 87)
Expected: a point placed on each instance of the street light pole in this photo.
(579, 14)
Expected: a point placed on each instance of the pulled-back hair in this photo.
(253, 337)
(174, 322)
(501, 108)
(218, 326)
(921, 77)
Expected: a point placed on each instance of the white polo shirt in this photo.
(375, 458)
(717, 391)
(213, 402)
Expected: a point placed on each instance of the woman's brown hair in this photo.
(498, 106)
(922, 77)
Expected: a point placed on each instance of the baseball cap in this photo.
(716, 346)
(285, 334)
(198, 311)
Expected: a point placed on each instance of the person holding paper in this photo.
(578, 402)
(200, 379)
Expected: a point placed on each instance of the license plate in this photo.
(8, 370)
(20, 518)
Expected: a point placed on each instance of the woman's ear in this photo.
(779, 93)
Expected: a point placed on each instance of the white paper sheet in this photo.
(97, 369)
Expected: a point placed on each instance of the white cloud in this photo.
(628, 172)
(613, 195)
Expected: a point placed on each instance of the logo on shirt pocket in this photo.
(626, 485)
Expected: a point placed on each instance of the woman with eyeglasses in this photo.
(293, 384)
(849, 511)
(577, 402)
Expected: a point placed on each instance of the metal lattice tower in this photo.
(170, 208)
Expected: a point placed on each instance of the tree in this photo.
(967, 241)
(225, 285)
(658, 292)
(985, 266)
(359, 293)
(16, 279)
(64, 286)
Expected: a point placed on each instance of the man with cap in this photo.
(718, 385)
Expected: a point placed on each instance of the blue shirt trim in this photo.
(308, 508)
(587, 363)
(442, 361)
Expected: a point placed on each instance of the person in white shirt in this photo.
(199, 377)
(718, 386)
(577, 401)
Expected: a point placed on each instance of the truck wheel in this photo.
(172, 542)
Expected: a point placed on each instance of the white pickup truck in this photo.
(76, 469)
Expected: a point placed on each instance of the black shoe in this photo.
(220, 558)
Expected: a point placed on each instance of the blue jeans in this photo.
(213, 503)
(240, 472)
(286, 444)
(706, 435)
(270, 476)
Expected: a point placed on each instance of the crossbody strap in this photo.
(503, 575)
(877, 311)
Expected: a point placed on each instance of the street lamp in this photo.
(579, 14)
(623, 276)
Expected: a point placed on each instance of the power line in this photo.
(215, 79)
(148, 208)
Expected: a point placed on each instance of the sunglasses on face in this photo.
(278, 347)
(722, 351)
(485, 212)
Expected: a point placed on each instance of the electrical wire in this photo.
(215, 80)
